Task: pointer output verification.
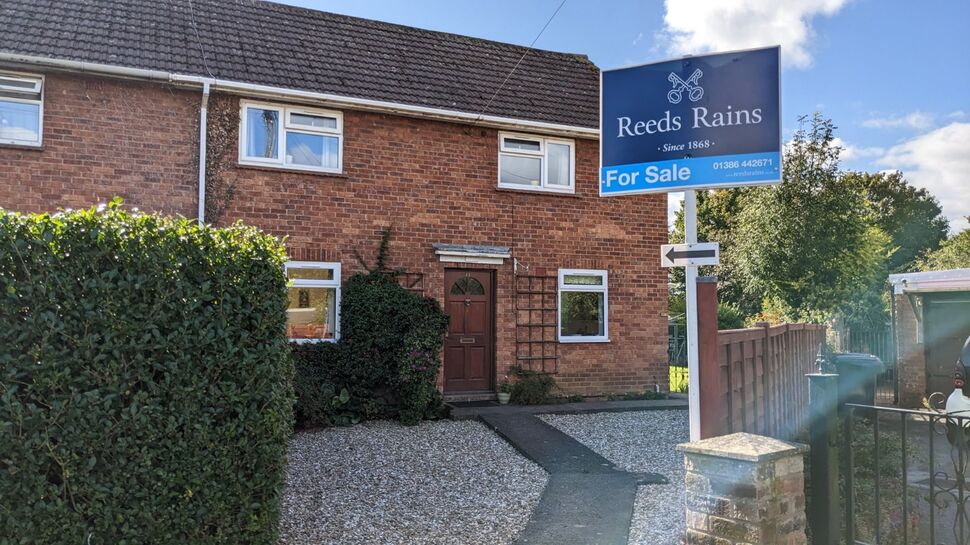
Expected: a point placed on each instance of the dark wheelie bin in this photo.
(857, 376)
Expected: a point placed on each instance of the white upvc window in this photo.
(21, 109)
(583, 306)
(536, 163)
(290, 137)
(313, 314)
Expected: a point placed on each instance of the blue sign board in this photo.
(697, 122)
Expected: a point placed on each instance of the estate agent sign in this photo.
(698, 122)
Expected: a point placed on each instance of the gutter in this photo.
(331, 100)
(203, 123)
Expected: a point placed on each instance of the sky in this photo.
(894, 75)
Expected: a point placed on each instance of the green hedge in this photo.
(145, 380)
(386, 362)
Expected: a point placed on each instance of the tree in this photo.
(807, 244)
(717, 216)
(912, 217)
(954, 253)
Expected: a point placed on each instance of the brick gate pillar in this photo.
(744, 489)
(910, 358)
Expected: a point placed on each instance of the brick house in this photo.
(931, 321)
(326, 129)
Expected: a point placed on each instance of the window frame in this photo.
(317, 283)
(285, 124)
(40, 87)
(543, 155)
(561, 287)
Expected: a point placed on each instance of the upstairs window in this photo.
(536, 163)
(314, 301)
(21, 109)
(291, 137)
(583, 306)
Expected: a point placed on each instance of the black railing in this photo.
(676, 343)
(887, 476)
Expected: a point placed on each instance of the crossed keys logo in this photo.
(694, 91)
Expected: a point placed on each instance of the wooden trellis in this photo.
(536, 345)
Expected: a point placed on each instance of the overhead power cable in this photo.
(514, 68)
(198, 38)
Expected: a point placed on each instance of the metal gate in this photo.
(900, 477)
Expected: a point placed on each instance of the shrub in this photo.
(648, 395)
(319, 399)
(145, 380)
(385, 364)
(531, 387)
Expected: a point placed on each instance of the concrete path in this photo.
(588, 501)
(473, 410)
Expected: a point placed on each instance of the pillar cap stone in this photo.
(747, 447)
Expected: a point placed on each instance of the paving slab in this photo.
(552, 449)
(582, 509)
(588, 500)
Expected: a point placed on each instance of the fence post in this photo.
(767, 393)
(711, 394)
(823, 510)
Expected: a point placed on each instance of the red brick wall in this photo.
(911, 359)
(105, 138)
(435, 182)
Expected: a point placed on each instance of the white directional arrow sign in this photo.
(697, 254)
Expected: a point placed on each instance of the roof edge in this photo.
(330, 99)
(944, 280)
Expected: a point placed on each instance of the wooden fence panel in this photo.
(757, 380)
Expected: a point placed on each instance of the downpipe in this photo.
(203, 130)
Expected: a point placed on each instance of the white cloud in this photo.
(914, 120)
(959, 114)
(638, 38)
(939, 161)
(851, 153)
(697, 26)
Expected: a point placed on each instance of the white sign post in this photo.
(706, 122)
(690, 256)
(693, 357)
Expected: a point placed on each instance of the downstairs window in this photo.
(313, 314)
(583, 306)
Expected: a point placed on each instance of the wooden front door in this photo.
(469, 354)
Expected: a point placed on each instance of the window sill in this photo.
(24, 147)
(312, 341)
(584, 340)
(269, 168)
(538, 192)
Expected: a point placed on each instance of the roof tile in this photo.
(290, 47)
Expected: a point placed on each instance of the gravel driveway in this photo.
(640, 441)
(383, 483)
